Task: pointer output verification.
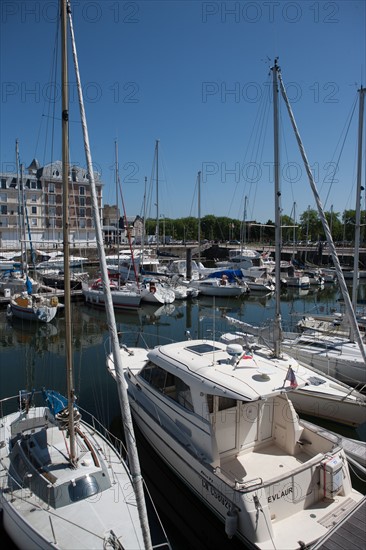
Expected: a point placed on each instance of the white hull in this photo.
(39, 312)
(33, 524)
(218, 495)
(338, 358)
(330, 407)
(236, 442)
(153, 292)
(323, 396)
(214, 287)
(122, 299)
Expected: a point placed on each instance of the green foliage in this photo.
(221, 228)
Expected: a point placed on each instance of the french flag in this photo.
(291, 377)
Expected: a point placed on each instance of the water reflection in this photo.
(33, 356)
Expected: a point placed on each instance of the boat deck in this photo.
(270, 461)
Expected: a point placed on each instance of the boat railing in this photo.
(248, 485)
(91, 420)
(103, 432)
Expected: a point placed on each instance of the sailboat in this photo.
(125, 296)
(323, 395)
(221, 417)
(62, 482)
(340, 355)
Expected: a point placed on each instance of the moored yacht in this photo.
(220, 417)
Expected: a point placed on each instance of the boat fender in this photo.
(54, 301)
(231, 523)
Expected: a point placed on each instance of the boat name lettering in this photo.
(215, 493)
(280, 495)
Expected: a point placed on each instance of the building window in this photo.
(52, 211)
(82, 224)
(81, 190)
(34, 210)
(51, 187)
(51, 199)
(3, 197)
(34, 222)
(4, 222)
(82, 212)
(34, 198)
(81, 201)
(3, 209)
(3, 183)
(52, 223)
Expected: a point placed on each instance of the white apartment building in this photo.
(38, 193)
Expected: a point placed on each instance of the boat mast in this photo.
(133, 459)
(157, 192)
(342, 283)
(20, 212)
(243, 239)
(65, 186)
(117, 213)
(199, 216)
(359, 190)
(277, 321)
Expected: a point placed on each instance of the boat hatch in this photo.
(200, 349)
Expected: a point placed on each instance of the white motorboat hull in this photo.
(218, 496)
(251, 462)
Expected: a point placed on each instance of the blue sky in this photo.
(193, 75)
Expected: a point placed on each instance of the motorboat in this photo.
(221, 417)
(323, 396)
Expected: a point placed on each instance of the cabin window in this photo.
(168, 384)
(226, 403)
(210, 403)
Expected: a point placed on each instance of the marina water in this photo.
(33, 356)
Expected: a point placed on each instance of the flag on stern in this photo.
(291, 377)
